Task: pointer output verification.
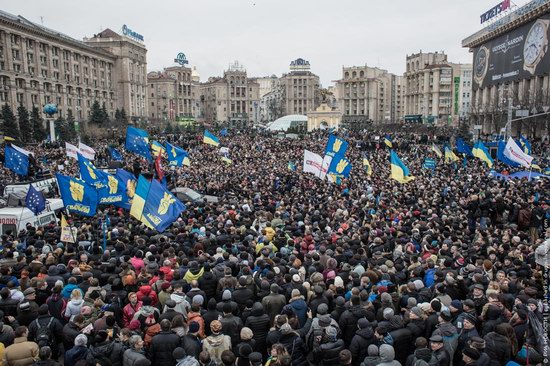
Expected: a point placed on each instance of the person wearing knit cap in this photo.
(78, 352)
(191, 341)
(470, 356)
(364, 336)
(372, 358)
(411, 302)
(446, 329)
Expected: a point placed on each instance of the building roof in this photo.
(284, 123)
(436, 66)
(107, 33)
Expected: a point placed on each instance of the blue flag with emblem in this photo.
(161, 207)
(115, 154)
(223, 132)
(78, 196)
(35, 200)
(128, 182)
(463, 148)
(340, 167)
(90, 174)
(114, 191)
(525, 145)
(16, 161)
(137, 141)
(429, 163)
(336, 146)
(177, 156)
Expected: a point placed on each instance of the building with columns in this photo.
(300, 87)
(232, 99)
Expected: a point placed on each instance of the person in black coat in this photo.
(191, 342)
(56, 303)
(498, 346)
(363, 338)
(402, 339)
(163, 345)
(231, 325)
(210, 315)
(317, 300)
(71, 330)
(294, 345)
(416, 324)
(339, 309)
(348, 320)
(46, 320)
(242, 294)
(208, 283)
(258, 322)
(328, 352)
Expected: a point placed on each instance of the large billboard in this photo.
(518, 54)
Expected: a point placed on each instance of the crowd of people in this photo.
(285, 269)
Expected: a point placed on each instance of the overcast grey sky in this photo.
(265, 35)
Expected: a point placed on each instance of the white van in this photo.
(45, 185)
(17, 218)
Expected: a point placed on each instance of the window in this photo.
(15, 54)
(14, 39)
(152, 104)
(17, 68)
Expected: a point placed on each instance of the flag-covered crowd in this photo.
(331, 249)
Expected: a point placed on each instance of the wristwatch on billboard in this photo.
(536, 45)
(481, 64)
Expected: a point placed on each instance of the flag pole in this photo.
(530, 170)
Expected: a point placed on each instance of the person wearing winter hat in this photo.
(360, 341)
(470, 356)
(217, 342)
(78, 352)
(387, 356)
(372, 358)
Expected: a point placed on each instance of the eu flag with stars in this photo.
(161, 207)
(115, 154)
(35, 200)
(137, 141)
(16, 161)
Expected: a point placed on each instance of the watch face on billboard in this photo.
(518, 54)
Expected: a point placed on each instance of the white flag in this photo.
(86, 151)
(513, 152)
(326, 164)
(71, 150)
(312, 163)
(21, 150)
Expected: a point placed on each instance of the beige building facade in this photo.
(40, 66)
(130, 70)
(369, 95)
(299, 89)
(173, 94)
(324, 117)
(232, 99)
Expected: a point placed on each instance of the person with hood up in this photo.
(194, 273)
(70, 287)
(217, 342)
(387, 355)
(227, 299)
(258, 322)
(274, 302)
(298, 306)
(147, 291)
(78, 352)
(372, 358)
(110, 349)
(182, 305)
(498, 346)
(363, 338)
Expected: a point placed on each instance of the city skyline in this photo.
(265, 36)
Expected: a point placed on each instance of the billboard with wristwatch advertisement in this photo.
(519, 54)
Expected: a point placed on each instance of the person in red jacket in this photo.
(147, 291)
(131, 308)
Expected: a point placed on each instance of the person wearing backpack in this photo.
(46, 330)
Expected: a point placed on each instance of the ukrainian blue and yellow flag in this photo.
(525, 145)
(137, 141)
(157, 148)
(481, 152)
(450, 156)
(227, 160)
(177, 156)
(161, 208)
(336, 146)
(399, 171)
(291, 166)
(129, 182)
(388, 141)
(339, 166)
(138, 202)
(90, 174)
(366, 164)
(437, 150)
(210, 139)
(77, 196)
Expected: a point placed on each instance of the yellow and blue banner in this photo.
(128, 182)
(161, 207)
(481, 152)
(291, 166)
(157, 148)
(450, 156)
(525, 145)
(210, 139)
(367, 166)
(429, 163)
(437, 150)
(227, 160)
(177, 156)
(399, 171)
(339, 166)
(77, 195)
(90, 174)
(336, 146)
(138, 201)
(388, 141)
(137, 141)
(113, 192)
(16, 161)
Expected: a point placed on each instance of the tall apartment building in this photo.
(130, 68)
(429, 95)
(369, 94)
(463, 99)
(40, 66)
(232, 99)
(173, 94)
(299, 89)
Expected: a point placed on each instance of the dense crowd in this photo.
(286, 269)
